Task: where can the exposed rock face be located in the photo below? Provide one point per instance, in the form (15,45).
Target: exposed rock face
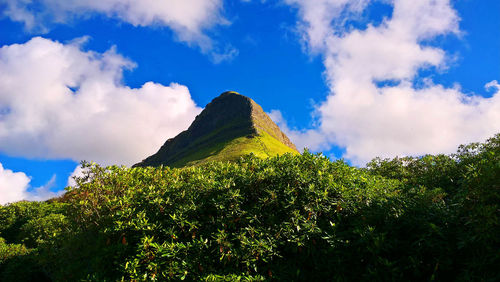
(227,117)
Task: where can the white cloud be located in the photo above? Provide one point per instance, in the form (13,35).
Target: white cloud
(492,86)
(78,172)
(370,120)
(58,102)
(14,186)
(189,19)
(43,193)
(310,139)
(318,16)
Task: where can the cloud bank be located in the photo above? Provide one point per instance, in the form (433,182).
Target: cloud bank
(188,19)
(14,186)
(378,105)
(59,102)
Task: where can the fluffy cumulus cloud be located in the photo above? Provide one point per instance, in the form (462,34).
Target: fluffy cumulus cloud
(189,19)
(15,186)
(319,18)
(376,107)
(78,172)
(57,101)
(310,139)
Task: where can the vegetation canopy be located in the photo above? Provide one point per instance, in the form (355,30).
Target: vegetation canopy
(290,217)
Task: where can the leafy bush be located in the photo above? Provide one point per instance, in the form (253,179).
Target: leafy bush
(8,251)
(26,222)
(471,177)
(17,263)
(291,217)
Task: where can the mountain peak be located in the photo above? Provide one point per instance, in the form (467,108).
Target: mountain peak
(231,92)
(231,125)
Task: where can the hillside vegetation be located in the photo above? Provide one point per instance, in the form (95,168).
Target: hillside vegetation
(290,218)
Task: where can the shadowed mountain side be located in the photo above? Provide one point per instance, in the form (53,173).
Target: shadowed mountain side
(230,126)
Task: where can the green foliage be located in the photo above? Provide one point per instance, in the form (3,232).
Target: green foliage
(17,263)
(471,179)
(256,217)
(26,228)
(290,217)
(29,222)
(8,251)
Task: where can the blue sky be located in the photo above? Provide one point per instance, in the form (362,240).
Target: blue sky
(110,81)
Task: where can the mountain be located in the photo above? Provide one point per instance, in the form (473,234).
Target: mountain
(230,126)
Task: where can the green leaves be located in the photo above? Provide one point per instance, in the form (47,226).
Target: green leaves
(291,217)
(245,217)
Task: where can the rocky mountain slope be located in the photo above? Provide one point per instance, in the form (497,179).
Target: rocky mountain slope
(230,126)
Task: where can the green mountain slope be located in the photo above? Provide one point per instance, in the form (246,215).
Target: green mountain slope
(230,126)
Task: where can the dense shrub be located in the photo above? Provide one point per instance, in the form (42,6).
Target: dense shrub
(29,222)
(276,217)
(471,179)
(8,251)
(26,228)
(284,218)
